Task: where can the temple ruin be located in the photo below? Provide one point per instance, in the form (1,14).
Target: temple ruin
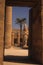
(35,26)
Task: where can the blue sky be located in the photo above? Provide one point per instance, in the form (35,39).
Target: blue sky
(20,12)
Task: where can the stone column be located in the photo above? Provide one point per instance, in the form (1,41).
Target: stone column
(8,26)
(18,38)
(12,39)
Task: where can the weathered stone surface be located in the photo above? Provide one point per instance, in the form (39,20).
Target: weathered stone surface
(36,46)
(42,27)
(29,3)
(8,26)
(15,37)
(2,12)
(37,29)
(12,39)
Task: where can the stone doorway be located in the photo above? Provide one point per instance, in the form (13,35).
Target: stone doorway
(35,27)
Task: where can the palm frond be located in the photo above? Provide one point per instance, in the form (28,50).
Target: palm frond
(20,21)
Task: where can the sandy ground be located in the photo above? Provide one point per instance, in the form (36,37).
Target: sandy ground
(16,56)
(16,51)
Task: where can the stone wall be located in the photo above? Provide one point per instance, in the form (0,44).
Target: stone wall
(2,12)
(37,30)
(37,40)
(36,33)
(42,26)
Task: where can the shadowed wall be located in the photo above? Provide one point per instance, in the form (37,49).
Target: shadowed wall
(42,26)
(2,13)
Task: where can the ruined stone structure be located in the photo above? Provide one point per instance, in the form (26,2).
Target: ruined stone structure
(15,37)
(12,39)
(25,34)
(36,27)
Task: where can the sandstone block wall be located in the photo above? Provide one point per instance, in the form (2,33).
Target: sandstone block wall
(42,26)
(36,33)
(2,12)
(37,40)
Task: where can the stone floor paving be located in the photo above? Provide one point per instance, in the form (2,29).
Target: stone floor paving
(16,56)
(9,63)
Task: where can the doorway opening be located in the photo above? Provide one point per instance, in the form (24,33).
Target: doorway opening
(19,49)
(20,21)
(30,31)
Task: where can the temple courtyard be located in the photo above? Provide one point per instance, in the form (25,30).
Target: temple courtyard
(17,56)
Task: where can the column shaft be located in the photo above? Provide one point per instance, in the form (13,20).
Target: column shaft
(8,28)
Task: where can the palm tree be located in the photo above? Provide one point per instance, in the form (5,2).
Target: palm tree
(20,22)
